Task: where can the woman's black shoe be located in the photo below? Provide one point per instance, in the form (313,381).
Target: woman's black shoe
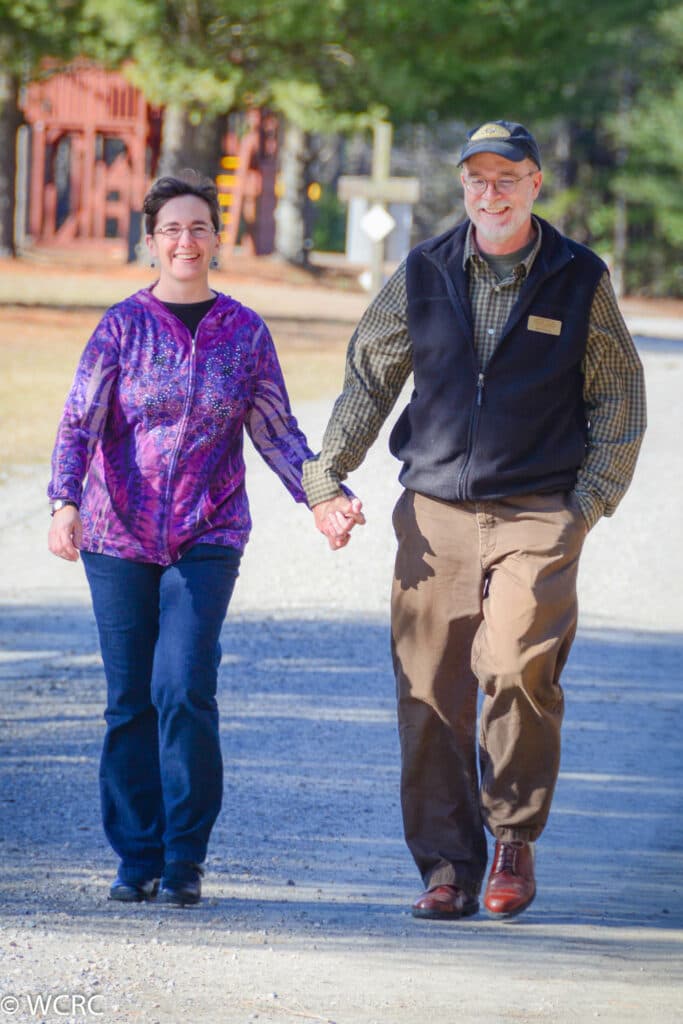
(181,885)
(134,892)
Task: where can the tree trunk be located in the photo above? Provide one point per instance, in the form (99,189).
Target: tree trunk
(620,207)
(291,213)
(10,119)
(171,157)
(566,164)
(204,144)
(185,145)
(620,245)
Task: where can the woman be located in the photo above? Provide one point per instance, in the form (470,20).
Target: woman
(154,421)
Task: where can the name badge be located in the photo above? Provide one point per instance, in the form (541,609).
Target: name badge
(545,325)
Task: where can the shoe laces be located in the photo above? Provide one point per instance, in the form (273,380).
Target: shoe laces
(507,856)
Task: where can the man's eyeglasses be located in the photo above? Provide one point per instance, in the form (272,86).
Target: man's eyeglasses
(174,231)
(503,186)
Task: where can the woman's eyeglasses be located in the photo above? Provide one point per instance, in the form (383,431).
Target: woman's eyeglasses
(174,231)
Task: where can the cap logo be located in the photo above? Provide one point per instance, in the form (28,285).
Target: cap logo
(491,131)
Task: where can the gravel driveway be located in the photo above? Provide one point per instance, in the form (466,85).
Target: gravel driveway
(308,886)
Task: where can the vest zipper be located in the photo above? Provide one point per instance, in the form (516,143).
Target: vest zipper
(474,423)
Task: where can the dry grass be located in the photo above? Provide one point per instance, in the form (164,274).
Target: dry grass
(39,350)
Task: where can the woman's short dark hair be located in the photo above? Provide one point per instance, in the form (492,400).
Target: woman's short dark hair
(186,183)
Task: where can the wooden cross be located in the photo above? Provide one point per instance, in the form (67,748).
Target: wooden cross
(380,188)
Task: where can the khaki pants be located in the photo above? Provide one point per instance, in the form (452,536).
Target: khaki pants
(483,594)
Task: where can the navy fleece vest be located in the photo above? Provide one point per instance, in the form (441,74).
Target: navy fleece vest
(520,428)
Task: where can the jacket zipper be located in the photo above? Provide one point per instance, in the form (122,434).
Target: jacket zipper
(176,448)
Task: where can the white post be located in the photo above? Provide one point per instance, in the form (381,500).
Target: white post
(379,189)
(381,164)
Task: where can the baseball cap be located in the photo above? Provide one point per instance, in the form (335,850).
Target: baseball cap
(506,138)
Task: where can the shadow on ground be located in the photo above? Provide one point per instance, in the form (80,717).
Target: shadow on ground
(309,841)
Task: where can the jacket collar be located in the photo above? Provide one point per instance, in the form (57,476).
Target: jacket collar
(223,307)
(446,252)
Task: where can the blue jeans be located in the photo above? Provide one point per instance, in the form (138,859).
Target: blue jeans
(161,772)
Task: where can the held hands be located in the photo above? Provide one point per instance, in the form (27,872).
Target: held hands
(64,538)
(337,517)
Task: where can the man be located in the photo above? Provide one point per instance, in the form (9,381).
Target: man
(523,428)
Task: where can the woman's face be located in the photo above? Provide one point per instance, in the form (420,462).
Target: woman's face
(184,257)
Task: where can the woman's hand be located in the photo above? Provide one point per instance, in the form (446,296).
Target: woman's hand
(64,538)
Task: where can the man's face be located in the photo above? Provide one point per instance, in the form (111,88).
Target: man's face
(501,216)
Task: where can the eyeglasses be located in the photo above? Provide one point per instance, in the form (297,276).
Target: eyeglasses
(503,186)
(174,231)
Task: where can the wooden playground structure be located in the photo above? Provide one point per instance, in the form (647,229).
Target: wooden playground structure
(94,149)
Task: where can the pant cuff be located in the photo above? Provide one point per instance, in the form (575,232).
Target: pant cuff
(511,835)
(133,872)
(448,874)
(196,856)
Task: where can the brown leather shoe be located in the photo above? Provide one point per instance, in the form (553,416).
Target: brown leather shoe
(511,886)
(445,903)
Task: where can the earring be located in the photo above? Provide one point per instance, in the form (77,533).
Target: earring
(152,263)
(214,263)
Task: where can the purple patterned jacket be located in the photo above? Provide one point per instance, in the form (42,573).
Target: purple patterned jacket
(154,420)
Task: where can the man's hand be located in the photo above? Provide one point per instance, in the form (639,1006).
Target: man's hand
(337,517)
(64,538)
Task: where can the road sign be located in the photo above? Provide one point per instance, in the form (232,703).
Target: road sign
(377,223)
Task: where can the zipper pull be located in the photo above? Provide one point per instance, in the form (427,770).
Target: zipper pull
(480,389)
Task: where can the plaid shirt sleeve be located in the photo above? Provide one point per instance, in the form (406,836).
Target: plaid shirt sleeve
(614,396)
(378,362)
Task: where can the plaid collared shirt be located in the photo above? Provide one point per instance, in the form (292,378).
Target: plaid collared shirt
(379,361)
